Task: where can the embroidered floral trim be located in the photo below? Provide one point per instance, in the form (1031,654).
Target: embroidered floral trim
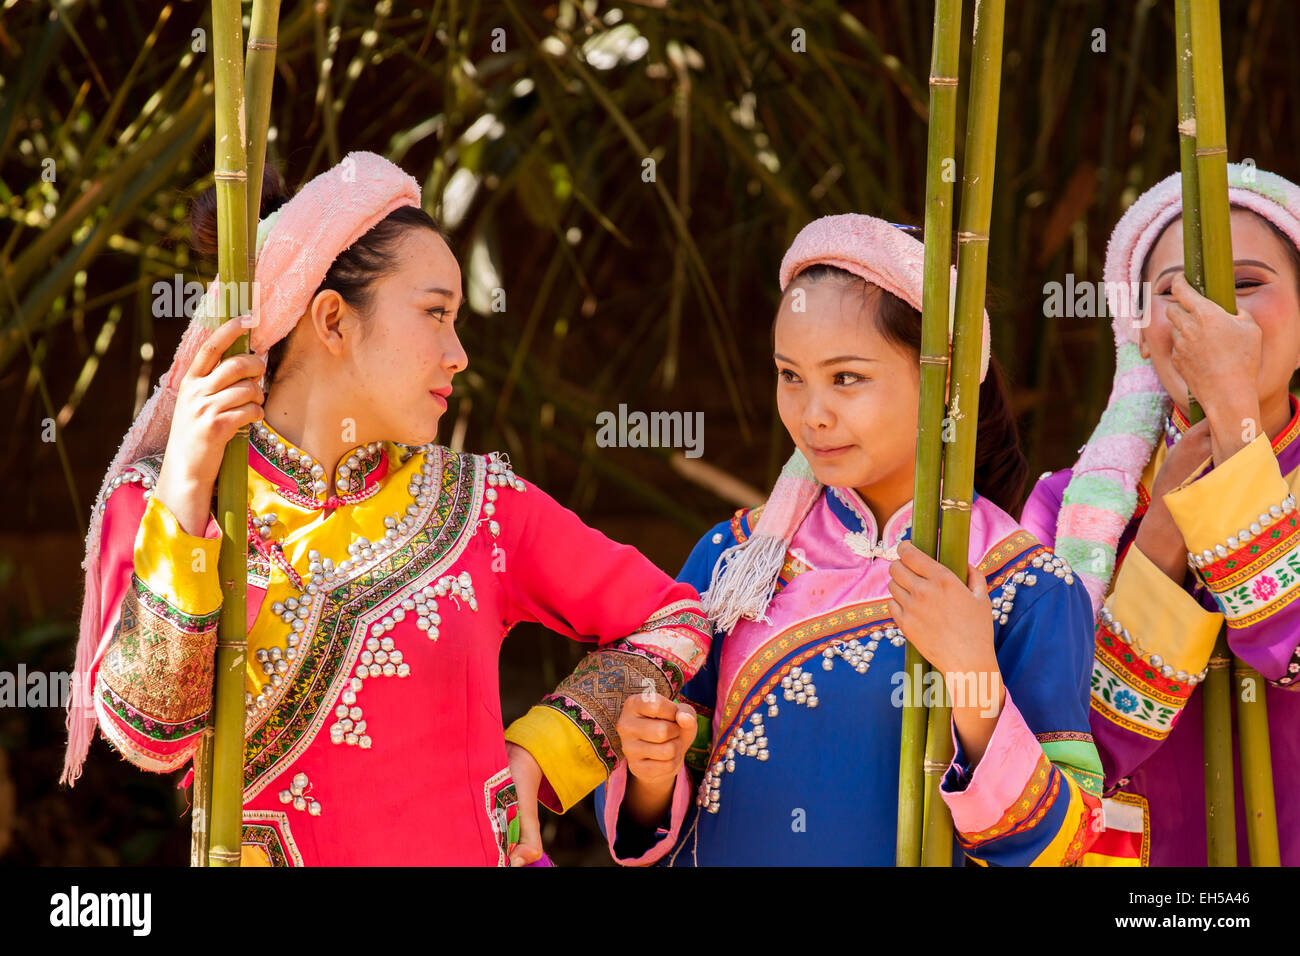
(1250,549)
(1175,683)
(744,521)
(181,621)
(269,830)
(152,727)
(1177,424)
(1292,672)
(356,477)
(1128,706)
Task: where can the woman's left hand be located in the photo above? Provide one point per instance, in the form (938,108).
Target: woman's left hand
(527,775)
(949,622)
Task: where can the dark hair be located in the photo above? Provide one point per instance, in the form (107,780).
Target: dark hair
(1000,466)
(351,275)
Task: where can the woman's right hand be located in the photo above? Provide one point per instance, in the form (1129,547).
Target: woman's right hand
(215,399)
(655,733)
(1158,536)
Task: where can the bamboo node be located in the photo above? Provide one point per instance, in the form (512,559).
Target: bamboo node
(943,80)
(1210,150)
(1219,663)
(258,43)
(230,175)
(223,855)
(952,504)
(934,360)
(935,766)
(972,237)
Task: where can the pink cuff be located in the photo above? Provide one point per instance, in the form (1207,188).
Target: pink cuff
(1008,764)
(617,787)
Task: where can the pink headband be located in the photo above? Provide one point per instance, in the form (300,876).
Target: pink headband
(307,234)
(873,250)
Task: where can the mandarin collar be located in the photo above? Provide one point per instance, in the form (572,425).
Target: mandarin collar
(1177,423)
(852,512)
(301,479)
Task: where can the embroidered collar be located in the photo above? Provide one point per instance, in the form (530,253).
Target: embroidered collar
(300,479)
(860,524)
(1176,425)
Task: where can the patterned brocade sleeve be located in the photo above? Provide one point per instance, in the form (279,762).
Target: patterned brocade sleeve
(1242,531)
(153,682)
(650,631)
(1034,798)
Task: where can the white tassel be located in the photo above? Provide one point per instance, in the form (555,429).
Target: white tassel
(743,582)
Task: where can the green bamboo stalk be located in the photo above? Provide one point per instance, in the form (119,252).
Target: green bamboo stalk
(259,77)
(945,60)
(1187,154)
(1216,707)
(1256,766)
(1216,727)
(963,407)
(1220,287)
(226,778)
(1212,154)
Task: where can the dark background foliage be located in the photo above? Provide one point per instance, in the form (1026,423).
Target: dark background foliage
(530,149)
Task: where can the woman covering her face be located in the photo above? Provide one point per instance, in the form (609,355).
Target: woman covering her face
(1178,529)
(384,570)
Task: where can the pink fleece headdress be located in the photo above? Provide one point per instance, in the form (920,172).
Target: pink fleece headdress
(1101,497)
(296,246)
(744,578)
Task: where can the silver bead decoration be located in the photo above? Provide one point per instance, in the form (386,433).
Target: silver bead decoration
(797,686)
(1109,621)
(1244,536)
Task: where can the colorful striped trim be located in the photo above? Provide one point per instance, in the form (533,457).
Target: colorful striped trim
(744,521)
(1284,438)
(1125,839)
(1255,556)
(1137,672)
(182,621)
(144,724)
(1037,797)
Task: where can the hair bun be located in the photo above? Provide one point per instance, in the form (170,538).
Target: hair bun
(203,211)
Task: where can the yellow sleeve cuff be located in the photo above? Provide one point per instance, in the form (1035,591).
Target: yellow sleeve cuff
(1161,615)
(179,567)
(563,752)
(1211,509)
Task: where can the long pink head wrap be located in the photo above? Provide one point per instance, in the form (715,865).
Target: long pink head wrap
(1101,497)
(744,578)
(296,246)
